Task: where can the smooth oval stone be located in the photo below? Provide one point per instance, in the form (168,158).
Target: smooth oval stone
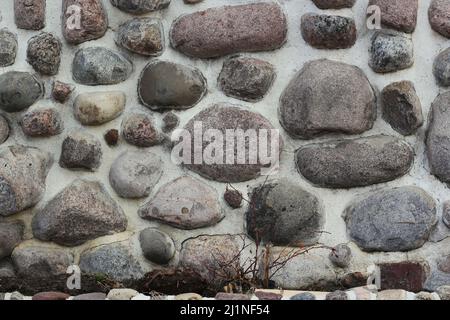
(327,97)
(19,90)
(97,108)
(156,245)
(44,53)
(225,30)
(42,123)
(141,6)
(8,47)
(100,66)
(398,219)
(438,16)
(334,4)
(441,68)
(355,163)
(29,14)
(165,85)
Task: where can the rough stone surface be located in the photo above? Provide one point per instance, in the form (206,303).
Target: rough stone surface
(52,296)
(134,174)
(112,137)
(233,198)
(246,78)
(11,234)
(6,269)
(439,17)
(144,36)
(4,129)
(122,294)
(171,121)
(231,296)
(341,255)
(140,7)
(443,292)
(19,90)
(61,91)
(398,219)
(390,51)
(262,295)
(81,150)
(284,214)
(334,4)
(328,32)
(44,53)
(303,296)
(327,97)
(409,276)
(166,85)
(156,246)
(23,171)
(97,108)
(441,68)
(400,15)
(139,129)
(225,30)
(29,14)
(93,20)
(401,107)
(81,212)
(446,214)
(337,295)
(95,66)
(8,47)
(42,123)
(184,203)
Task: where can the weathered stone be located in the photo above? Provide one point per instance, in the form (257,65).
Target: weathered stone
(231,296)
(171,121)
(303,296)
(29,14)
(112,260)
(337,295)
(443,292)
(353,280)
(61,91)
(44,53)
(42,123)
(446,214)
(112,137)
(390,51)
(341,255)
(334,4)
(51,295)
(327,97)
(398,219)
(400,15)
(8,47)
(81,212)
(23,171)
(246,78)
(401,107)
(225,30)
(41,262)
(97,108)
(166,85)
(91,296)
(392,295)
(184,203)
(144,36)
(156,246)
(262,295)
(134,174)
(11,234)
(140,7)
(19,90)
(138,129)
(121,294)
(355,163)
(233,198)
(91,17)
(282,213)
(100,66)
(427,296)
(4,129)
(225,117)
(328,32)
(81,150)
(438,15)
(444,264)
(6,270)
(441,68)
(409,276)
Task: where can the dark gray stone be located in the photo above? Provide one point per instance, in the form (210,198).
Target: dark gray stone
(438,15)
(139,129)
(11,234)
(327,97)
(81,150)
(398,219)
(171,121)
(81,212)
(355,163)
(8,47)
(334,4)
(341,255)
(441,68)
(140,7)
(446,214)
(284,214)
(156,246)
(246,78)
(44,53)
(19,90)
(6,270)
(303,296)
(4,129)
(100,66)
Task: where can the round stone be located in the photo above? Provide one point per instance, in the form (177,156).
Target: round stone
(138,129)
(96,108)
(19,90)
(233,198)
(156,246)
(44,53)
(171,121)
(341,255)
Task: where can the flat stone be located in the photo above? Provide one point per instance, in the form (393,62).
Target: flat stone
(61,91)
(97,108)
(399,15)
(401,107)
(327,97)
(337,295)
(282,213)
(80,212)
(166,85)
(398,219)
(303,296)
(223,118)
(81,150)
(42,123)
(246,78)
(29,14)
(341,255)
(188,296)
(51,295)
(23,171)
(91,16)
(91,296)
(233,198)
(441,68)
(443,292)
(11,234)
(438,15)
(8,47)
(140,7)
(323,31)
(44,53)
(139,129)
(121,294)
(334,4)
(407,275)
(95,66)
(156,246)
(220,31)
(144,36)
(392,295)
(192,1)
(134,174)
(171,121)
(262,295)
(19,90)
(355,163)
(184,203)
(390,51)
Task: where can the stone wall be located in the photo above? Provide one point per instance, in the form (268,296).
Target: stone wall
(86,172)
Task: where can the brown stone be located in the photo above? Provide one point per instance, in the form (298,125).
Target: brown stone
(61,91)
(42,123)
(399,14)
(354,279)
(138,129)
(52,295)
(112,137)
(262,295)
(439,17)
(233,198)
(29,14)
(409,276)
